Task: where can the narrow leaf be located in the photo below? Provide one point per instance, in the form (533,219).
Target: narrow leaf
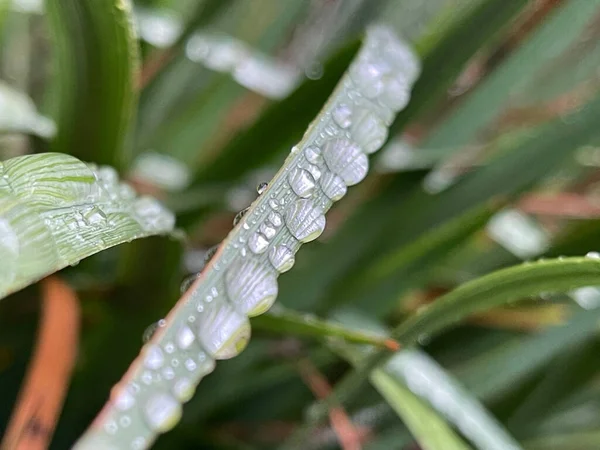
(288,322)
(97,63)
(56,210)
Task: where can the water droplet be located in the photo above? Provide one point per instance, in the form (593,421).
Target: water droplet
(152,216)
(153,358)
(396,93)
(333,186)
(593,255)
(168,373)
(239,216)
(258,243)
(268,231)
(302,182)
(147,378)
(111,427)
(313,155)
(261,188)
(184,389)
(124,400)
(282,258)
(223,332)
(368,78)
(169,347)
(162,412)
(342,115)
(138,443)
(187,282)
(369,131)
(305,221)
(185,337)
(314,70)
(149,332)
(125,421)
(275,219)
(345,159)
(190,364)
(251,286)
(273,203)
(94,216)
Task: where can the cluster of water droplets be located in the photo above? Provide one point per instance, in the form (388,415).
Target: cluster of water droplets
(211,320)
(56,210)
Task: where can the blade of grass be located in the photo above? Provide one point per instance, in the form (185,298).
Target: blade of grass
(288,322)
(495,289)
(563,29)
(56,210)
(97,60)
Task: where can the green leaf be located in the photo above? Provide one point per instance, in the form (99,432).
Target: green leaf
(97,66)
(422,375)
(429,429)
(584,440)
(402,268)
(19,114)
(554,36)
(501,369)
(495,289)
(287,322)
(447,50)
(56,210)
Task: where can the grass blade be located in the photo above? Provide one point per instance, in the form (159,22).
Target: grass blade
(285,321)
(56,210)
(97,60)
(241,279)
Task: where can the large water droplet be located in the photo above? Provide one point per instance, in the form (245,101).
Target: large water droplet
(94,216)
(313,155)
(258,243)
(162,412)
(305,221)
(184,389)
(251,286)
(345,159)
(369,131)
(342,115)
(593,255)
(223,331)
(268,231)
(302,182)
(275,219)
(396,93)
(333,186)
(282,258)
(187,282)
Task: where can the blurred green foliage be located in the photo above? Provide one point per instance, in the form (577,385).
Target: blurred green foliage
(508,105)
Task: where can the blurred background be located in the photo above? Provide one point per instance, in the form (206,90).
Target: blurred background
(494,161)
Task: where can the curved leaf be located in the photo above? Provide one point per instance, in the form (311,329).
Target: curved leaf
(210,322)
(97,65)
(56,210)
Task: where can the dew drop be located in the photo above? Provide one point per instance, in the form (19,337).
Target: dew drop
(282,258)
(154,358)
(592,255)
(190,364)
(273,203)
(251,286)
(185,337)
(333,186)
(342,115)
(261,188)
(313,155)
(305,221)
(345,159)
(258,243)
(369,131)
(268,231)
(302,182)
(275,219)
(187,282)
(184,389)
(162,412)
(124,400)
(396,93)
